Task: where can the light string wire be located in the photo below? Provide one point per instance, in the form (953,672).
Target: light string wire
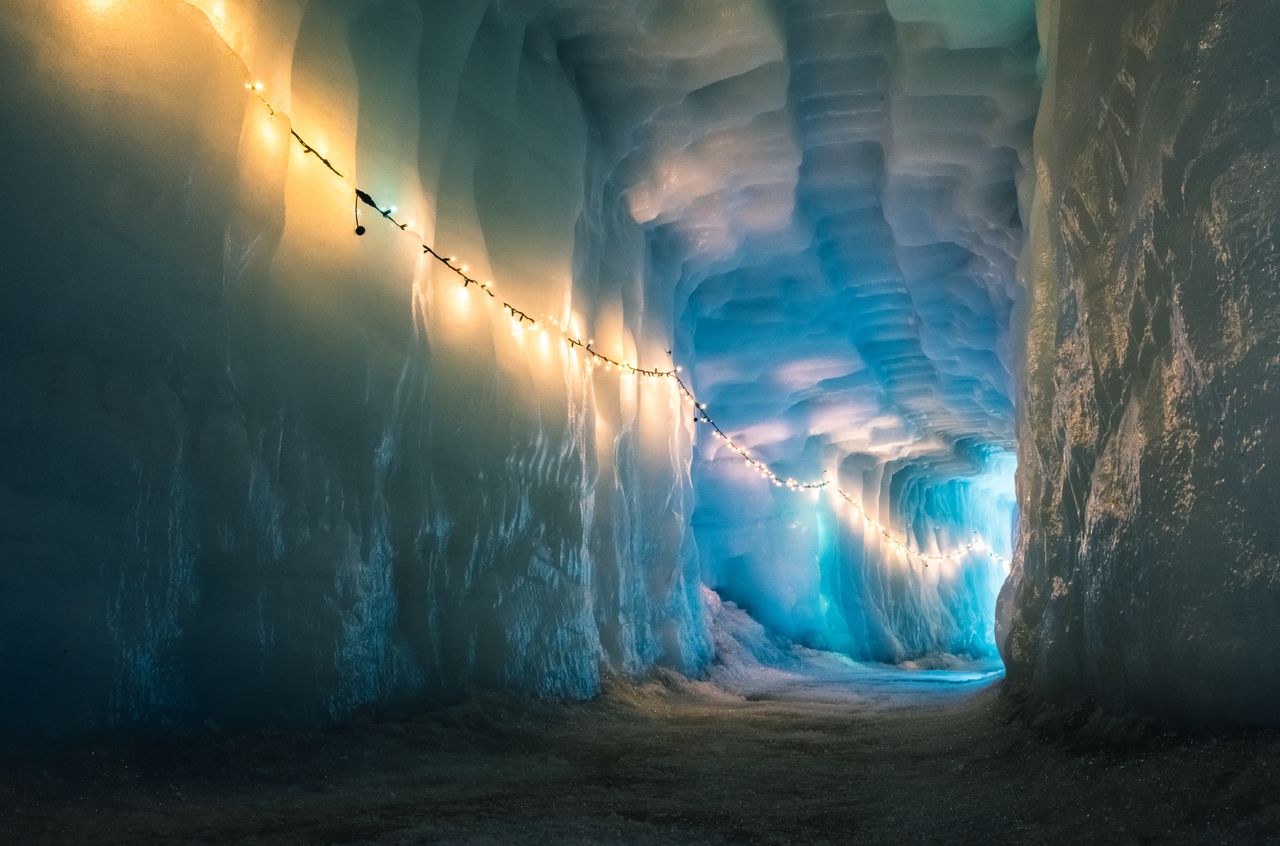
(575,343)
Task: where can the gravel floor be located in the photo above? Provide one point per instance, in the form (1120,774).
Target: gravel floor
(813,755)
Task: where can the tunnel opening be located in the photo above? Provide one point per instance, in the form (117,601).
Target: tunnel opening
(817,574)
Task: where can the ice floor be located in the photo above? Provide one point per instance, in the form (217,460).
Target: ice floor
(813,750)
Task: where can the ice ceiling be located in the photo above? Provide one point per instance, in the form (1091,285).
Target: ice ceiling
(834,184)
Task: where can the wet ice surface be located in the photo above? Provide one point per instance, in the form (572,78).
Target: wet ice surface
(817,751)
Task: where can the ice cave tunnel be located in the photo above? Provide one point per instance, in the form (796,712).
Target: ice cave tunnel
(407,352)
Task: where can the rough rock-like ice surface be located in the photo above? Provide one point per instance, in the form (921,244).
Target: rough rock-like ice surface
(1147,574)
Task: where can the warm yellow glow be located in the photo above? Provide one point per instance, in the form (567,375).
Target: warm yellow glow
(267,129)
(223,23)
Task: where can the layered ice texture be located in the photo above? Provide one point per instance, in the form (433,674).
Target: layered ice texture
(1148,575)
(255,467)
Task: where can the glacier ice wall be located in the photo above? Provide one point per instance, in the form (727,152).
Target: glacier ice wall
(255,467)
(1147,574)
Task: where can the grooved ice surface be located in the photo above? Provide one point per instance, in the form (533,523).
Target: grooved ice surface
(1148,571)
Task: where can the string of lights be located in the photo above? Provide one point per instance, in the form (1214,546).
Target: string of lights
(523,321)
